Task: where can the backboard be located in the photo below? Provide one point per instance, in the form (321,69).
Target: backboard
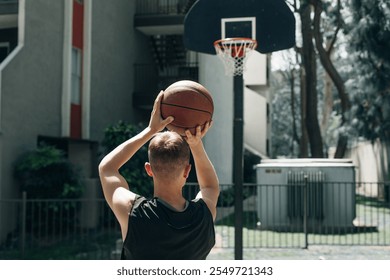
(270,22)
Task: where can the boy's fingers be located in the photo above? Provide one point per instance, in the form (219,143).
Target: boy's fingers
(158,98)
(168,120)
(206,127)
(198,130)
(188,133)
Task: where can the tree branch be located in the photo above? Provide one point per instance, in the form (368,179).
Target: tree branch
(338,27)
(293,5)
(326,61)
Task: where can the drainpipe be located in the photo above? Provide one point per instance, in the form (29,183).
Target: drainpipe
(86,86)
(66,68)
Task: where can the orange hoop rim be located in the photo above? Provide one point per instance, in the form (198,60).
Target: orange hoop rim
(234,52)
(244,40)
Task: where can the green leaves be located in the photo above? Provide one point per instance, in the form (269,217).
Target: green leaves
(369,37)
(39,158)
(46,173)
(133,171)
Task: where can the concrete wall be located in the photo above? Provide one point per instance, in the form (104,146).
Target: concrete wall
(31,84)
(372,162)
(32,81)
(30,92)
(116,46)
(31,87)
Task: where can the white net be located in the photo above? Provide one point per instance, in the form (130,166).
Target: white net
(234,52)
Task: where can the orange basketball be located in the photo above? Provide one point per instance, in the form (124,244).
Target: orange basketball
(189,103)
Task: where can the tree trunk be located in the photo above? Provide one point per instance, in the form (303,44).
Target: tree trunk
(309,62)
(334,75)
(303,143)
(328,103)
(293,113)
(342,145)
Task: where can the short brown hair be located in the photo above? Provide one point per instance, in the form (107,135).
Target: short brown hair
(168,153)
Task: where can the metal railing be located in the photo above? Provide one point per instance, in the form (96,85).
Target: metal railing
(59,228)
(148,77)
(352,214)
(163,7)
(8,7)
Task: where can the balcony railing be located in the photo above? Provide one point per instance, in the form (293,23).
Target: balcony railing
(163,7)
(8,7)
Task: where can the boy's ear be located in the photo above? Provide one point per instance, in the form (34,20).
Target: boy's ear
(148,169)
(187,171)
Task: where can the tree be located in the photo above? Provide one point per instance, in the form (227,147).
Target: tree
(325,58)
(285,119)
(45,173)
(312,18)
(133,170)
(362,84)
(310,81)
(368,29)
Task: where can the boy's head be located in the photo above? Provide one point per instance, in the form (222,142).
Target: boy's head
(169,154)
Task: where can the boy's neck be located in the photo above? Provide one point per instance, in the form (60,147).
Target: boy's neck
(173,198)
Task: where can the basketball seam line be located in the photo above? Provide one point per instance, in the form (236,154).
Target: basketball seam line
(198,91)
(181,106)
(205,95)
(183,126)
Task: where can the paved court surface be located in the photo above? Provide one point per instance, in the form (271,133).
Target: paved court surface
(312,253)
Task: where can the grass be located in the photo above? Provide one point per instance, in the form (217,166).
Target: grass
(372,201)
(249,220)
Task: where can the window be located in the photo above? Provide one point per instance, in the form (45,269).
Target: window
(4,50)
(76,76)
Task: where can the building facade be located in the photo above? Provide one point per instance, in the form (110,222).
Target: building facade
(71,68)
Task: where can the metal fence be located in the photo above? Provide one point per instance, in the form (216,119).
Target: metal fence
(274,216)
(296,216)
(59,229)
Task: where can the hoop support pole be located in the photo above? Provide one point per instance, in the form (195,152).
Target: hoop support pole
(238,165)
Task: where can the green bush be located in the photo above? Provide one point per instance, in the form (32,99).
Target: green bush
(46,173)
(133,171)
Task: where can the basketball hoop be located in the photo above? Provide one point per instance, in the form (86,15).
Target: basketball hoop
(233,52)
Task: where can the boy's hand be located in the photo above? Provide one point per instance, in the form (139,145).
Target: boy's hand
(194,140)
(157,123)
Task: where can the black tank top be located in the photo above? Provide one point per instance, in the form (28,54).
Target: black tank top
(158,232)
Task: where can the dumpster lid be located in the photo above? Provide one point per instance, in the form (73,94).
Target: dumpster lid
(306,162)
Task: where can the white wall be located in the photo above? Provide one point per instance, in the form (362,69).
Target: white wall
(219,140)
(256,69)
(255,122)
(256,125)
(371,161)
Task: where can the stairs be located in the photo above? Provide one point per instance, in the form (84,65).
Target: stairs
(168,50)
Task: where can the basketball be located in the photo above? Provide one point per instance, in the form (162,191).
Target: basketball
(189,103)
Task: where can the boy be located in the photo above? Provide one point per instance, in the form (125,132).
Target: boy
(166,226)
